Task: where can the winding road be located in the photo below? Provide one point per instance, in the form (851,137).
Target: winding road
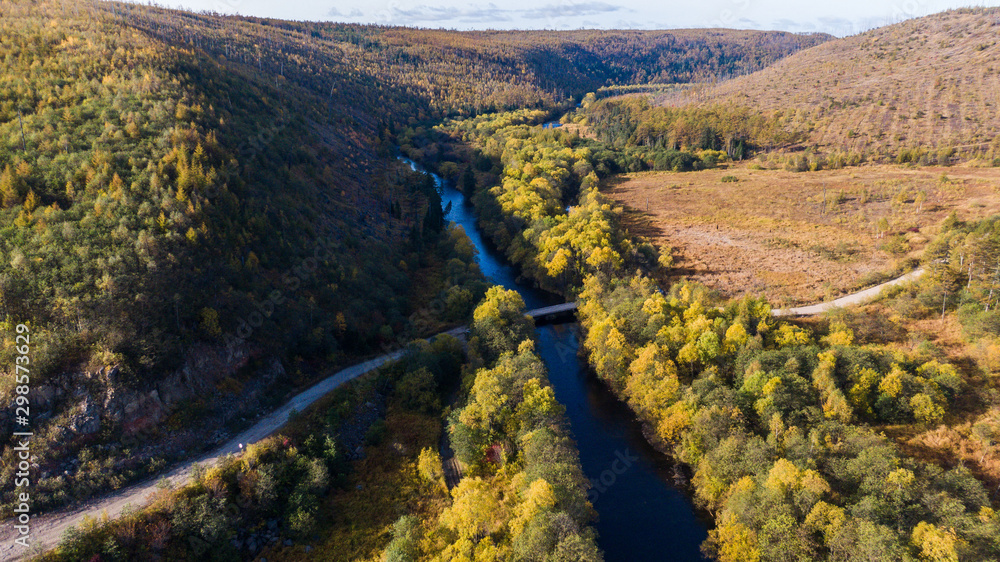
(46,530)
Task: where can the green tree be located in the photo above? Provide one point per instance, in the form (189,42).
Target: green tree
(499,324)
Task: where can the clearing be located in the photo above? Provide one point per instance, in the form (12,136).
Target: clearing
(799,237)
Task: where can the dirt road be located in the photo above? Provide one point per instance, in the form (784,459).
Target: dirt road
(856,298)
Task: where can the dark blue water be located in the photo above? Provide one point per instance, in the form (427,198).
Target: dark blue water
(492,262)
(642,515)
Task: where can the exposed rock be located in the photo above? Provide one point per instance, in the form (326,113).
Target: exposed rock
(172,390)
(142,412)
(81,403)
(87,421)
(42,396)
(203,367)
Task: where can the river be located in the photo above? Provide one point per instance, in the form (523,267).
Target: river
(642,514)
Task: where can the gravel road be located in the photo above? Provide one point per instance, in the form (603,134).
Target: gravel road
(855,298)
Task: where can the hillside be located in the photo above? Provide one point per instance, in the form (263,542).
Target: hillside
(913,91)
(174,226)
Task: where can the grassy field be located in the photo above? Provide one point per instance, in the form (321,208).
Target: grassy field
(799,237)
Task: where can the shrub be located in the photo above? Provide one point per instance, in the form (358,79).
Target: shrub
(429,465)
(977,322)
(376,433)
(895,245)
(417,391)
(798,164)
(302,522)
(405,534)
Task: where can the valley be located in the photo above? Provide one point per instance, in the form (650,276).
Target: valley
(282,280)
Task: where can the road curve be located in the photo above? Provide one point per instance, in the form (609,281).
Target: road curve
(854,298)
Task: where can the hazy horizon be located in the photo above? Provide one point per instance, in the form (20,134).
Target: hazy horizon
(840,19)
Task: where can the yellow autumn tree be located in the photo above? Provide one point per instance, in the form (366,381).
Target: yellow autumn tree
(934,544)
(474,509)
(652,384)
(537,498)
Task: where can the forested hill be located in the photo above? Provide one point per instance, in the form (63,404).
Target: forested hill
(188,195)
(925,89)
(466,72)
(519,68)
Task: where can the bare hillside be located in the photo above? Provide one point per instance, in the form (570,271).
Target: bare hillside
(921,88)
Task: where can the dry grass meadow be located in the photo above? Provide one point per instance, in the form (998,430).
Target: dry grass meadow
(771,232)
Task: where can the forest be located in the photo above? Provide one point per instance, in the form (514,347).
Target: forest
(178,187)
(634,122)
(522,497)
(147,217)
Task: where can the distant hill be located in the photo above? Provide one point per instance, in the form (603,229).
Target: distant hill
(910,91)
(561,63)
(474,71)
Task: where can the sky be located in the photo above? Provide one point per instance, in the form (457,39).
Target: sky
(837,17)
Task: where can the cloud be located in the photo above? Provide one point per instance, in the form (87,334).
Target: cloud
(570,9)
(794,26)
(354,13)
(472,14)
(840,27)
(491,13)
